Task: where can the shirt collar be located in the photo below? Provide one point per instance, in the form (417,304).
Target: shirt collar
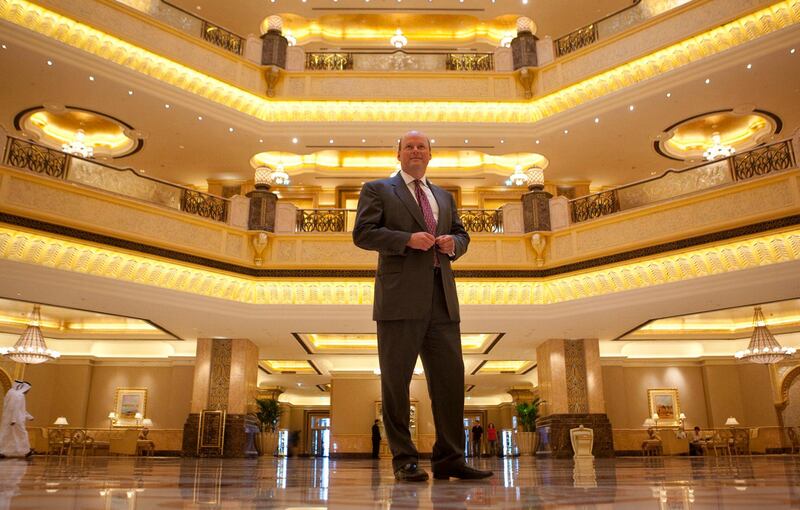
(408,178)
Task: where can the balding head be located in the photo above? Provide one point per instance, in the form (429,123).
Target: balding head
(414,153)
(413,133)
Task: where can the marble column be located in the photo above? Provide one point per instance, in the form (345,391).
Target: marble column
(225,379)
(571,385)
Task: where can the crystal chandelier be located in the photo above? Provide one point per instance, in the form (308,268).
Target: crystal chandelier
(717,150)
(763,347)
(505,42)
(77,147)
(518,178)
(398,40)
(266,177)
(30,348)
(532,177)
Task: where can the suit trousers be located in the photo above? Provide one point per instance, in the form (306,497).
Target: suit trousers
(437,341)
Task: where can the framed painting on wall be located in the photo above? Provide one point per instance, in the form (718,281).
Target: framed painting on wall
(664,403)
(127,403)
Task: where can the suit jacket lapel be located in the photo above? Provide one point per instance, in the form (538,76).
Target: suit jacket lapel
(443,224)
(403,193)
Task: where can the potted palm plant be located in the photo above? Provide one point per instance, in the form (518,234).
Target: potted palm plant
(269,414)
(528,438)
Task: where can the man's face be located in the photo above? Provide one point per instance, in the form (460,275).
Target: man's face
(414,154)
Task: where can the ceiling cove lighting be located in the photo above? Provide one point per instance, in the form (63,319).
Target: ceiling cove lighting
(763,348)
(31,347)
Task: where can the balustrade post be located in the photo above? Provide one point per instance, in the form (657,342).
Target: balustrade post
(262,208)
(274,47)
(536,210)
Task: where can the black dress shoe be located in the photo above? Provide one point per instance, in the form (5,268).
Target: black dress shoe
(410,473)
(463,472)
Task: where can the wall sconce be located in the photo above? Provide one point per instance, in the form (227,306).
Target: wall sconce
(112,419)
(61,421)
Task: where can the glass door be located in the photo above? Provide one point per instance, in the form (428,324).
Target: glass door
(320,435)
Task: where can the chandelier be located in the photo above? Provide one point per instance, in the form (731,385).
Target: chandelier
(398,40)
(717,150)
(31,348)
(532,177)
(77,147)
(763,347)
(505,42)
(518,178)
(266,177)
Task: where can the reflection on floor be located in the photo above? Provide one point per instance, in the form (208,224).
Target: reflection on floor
(641,483)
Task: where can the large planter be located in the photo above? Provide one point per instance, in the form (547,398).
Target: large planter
(527,442)
(267,443)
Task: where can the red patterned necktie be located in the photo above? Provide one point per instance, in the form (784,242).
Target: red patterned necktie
(427,213)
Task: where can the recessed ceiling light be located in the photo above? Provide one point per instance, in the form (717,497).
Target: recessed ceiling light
(330,141)
(181,147)
(4,47)
(49,62)
(597,120)
(631,108)
(708,80)
(792,51)
(433,140)
(294,140)
(749,66)
(502,141)
(537,142)
(199,117)
(199,8)
(260,140)
(143,171)
(230,130)
(166,106)
(363,140)
(130,92)
(669,94)
(91,78)
(566,131)
(466,140)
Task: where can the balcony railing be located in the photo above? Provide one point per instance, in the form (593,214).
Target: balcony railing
(39,159)
(190,23)
(747,165)
(342,220)
(612,24)
(399,61)
(323,220)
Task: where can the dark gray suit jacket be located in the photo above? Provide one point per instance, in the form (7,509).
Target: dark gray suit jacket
(387,216)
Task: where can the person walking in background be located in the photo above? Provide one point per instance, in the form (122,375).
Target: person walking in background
(376,439)
(477,435)
(491,437)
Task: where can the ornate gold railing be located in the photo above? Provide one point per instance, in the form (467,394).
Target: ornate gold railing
(33,157)
(594,206)
(470,62)
(218,36)
(482,220)
(576,40)
(36,158)
(322,220)
(329,61)
(674,183)
(762,161)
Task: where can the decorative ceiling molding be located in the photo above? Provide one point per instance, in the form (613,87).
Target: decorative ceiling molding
(95,42)
(712,259)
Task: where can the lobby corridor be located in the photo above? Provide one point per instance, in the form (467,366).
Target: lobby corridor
(640,483)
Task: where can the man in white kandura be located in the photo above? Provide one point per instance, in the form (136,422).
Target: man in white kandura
(13,436)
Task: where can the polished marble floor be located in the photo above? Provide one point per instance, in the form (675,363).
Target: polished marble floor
(302,483)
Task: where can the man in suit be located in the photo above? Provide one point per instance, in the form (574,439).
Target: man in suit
(415,228)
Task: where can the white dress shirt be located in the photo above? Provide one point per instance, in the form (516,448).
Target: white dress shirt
(409,180)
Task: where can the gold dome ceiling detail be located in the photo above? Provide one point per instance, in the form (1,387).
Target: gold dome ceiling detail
(688,139)
(55,125)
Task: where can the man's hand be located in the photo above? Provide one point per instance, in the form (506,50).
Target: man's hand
(421,241)
(445,244)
